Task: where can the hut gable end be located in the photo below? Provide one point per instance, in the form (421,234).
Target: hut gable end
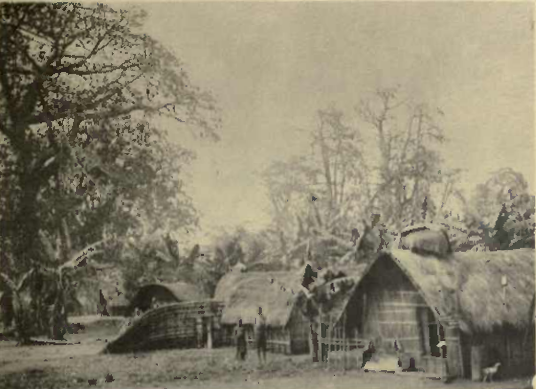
(468,285)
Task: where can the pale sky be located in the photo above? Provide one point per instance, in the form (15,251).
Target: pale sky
(272,65)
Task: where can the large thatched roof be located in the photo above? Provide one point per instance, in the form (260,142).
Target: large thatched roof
(481,295)
(475,279)
(243,294)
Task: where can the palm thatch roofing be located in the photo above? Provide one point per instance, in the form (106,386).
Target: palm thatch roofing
(172,292)
(332,296)
(470,283)
(276,293)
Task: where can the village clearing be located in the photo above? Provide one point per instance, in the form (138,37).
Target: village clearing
(71,366)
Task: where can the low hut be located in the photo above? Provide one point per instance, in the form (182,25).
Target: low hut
(418,301)
(175,325)
(278,295)
(165,293)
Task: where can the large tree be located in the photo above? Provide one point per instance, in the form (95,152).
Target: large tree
(369,179)
(315,197)
(409,163)
(501,211)
(81,157)
(504,186)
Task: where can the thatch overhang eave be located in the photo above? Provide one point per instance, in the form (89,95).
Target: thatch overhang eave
(487,304)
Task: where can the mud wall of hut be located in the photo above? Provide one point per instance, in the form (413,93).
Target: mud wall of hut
(292,339)
(393,310)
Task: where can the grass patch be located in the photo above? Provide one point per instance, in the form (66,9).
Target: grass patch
(34,379)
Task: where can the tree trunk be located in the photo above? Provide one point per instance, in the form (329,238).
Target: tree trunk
(22,329)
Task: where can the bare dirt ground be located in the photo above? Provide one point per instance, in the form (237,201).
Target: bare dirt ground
(73,366)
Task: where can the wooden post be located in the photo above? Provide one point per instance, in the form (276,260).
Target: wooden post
(344,339)
(209,333)
(311,344)
(508,351)
(199,330)
(460,351)
(330,337)
(288,342)
(476,363)
(356,335)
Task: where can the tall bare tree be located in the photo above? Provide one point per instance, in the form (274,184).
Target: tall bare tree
(355,181)
(409,165)
(315,196)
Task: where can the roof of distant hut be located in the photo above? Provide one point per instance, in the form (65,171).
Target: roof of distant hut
(243,293)
(176,292)
(475,278)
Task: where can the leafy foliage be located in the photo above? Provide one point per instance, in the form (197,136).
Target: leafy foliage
(78,92)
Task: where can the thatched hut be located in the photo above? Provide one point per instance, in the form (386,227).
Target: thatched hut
(478,303)
(278,295)
(175,325)
(165,293)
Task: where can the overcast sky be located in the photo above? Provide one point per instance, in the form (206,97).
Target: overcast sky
(272,65)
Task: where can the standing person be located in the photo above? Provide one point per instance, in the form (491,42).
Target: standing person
(241,343)
(261,337)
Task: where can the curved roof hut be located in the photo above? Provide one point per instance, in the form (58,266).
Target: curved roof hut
(165,293)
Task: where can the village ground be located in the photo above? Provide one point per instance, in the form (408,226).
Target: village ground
(72,366)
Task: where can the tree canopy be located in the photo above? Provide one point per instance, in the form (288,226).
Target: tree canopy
(81,156)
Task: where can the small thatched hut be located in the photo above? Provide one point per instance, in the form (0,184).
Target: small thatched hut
(175,325)
(478,303)
(165,293)
(278,295)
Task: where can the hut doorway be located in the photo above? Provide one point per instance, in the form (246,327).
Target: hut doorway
(430,332)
